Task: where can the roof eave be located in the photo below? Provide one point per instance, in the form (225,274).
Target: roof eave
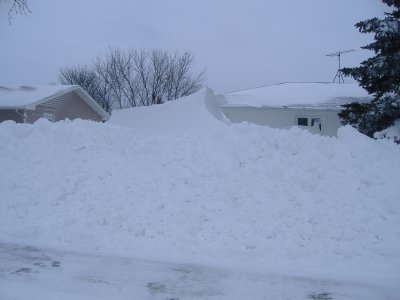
(34,104)
(13,107)
(84,96)
(281,107)
(92,103)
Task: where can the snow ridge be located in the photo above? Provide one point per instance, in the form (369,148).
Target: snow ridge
(238,192)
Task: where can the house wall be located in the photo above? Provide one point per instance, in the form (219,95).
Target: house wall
(11,114)
(285,117)
(66,106)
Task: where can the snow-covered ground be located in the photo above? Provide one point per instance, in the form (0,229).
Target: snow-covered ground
(35,273)
(176,183)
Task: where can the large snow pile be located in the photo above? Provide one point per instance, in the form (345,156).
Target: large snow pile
(241,192)
(197,112)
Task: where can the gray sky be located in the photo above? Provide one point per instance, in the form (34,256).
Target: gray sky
(240,43)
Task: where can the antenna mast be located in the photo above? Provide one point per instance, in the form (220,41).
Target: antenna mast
(339,73)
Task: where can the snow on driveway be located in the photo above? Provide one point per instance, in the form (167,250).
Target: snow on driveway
(28,272)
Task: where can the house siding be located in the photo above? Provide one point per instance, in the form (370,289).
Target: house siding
(284,117)
(11,114)
(66,106)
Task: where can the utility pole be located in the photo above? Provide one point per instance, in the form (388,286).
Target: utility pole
(339,73)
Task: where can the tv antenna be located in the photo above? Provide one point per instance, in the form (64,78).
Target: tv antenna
(339,73)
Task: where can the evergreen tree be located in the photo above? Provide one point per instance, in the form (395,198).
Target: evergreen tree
(379,75)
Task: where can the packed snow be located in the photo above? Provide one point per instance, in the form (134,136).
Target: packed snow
(325,95)
(176,182)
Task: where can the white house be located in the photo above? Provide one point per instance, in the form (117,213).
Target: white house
(26,104)
(313,106)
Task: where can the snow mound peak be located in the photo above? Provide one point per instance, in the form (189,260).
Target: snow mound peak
(197,112)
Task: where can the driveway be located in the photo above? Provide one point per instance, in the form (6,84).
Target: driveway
(31,273)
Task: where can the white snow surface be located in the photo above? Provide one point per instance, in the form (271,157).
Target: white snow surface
(299,94)
(19,96)
(202,190)
(195,113)
(390,133)
(35,273)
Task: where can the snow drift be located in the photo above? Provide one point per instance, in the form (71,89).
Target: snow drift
(201,189)
(197,112)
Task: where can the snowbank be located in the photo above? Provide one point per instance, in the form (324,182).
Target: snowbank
(240,192)
(197,112)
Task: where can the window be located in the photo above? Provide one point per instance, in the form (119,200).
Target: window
(316,122)
(302,121)
(50,117)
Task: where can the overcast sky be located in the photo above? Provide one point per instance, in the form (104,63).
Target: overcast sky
(240,43)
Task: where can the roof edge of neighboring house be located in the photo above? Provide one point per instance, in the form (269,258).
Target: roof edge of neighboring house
(12,107)
(75,88)
(92,103)
(251,98)
(287,83)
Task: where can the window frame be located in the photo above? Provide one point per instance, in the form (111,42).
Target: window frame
(304,118)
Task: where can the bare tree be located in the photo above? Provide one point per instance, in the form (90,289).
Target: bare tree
(17,7)
(140,67)
(165,77)
(87,78)
(118,71)
(137,77)
(158,70)
(184,82)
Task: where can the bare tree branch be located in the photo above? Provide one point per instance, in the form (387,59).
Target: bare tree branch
(17,7)
(87,78)
(137,77)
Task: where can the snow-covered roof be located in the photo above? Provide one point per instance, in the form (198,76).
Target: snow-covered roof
(20,96)
(28,96)
(298,95)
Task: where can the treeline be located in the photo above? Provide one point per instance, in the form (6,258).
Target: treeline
(136,77)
